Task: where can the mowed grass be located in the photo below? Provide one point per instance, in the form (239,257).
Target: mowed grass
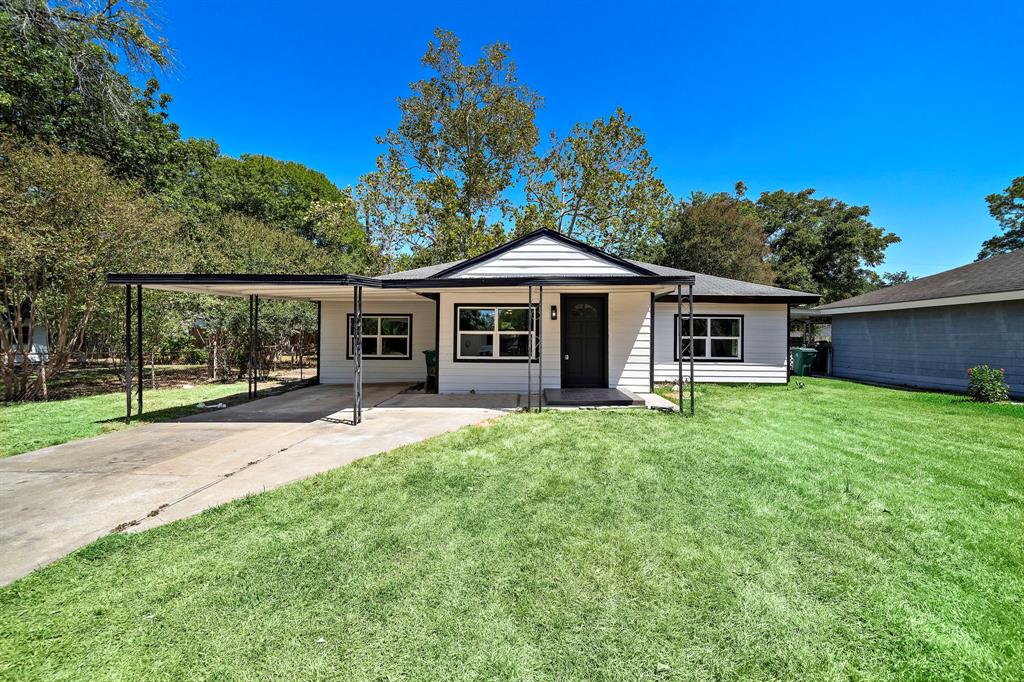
(831,532)
(29,426)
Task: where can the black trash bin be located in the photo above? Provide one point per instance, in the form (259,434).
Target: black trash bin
(431,357)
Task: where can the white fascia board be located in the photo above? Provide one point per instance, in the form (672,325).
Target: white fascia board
(928,303)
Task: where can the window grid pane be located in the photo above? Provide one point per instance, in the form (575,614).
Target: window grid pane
(377,344)
(714,337)
(506,322)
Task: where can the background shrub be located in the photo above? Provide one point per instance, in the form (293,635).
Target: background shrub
(986,384)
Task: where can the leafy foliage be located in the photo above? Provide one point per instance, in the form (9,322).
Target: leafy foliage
(987,385)
(822,245)
(64,223)
(463,134)
(60,84)
(1007,208)
(891,279)
(717,234)
(598,185)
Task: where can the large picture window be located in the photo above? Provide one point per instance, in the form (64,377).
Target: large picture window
(715,337)
(498,332)
(385,337)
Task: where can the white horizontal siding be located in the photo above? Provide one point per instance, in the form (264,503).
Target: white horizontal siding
(764,344)
(629,341)
(335,368)
(543,256)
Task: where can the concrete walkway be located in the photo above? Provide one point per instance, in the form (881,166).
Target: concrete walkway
(55,500)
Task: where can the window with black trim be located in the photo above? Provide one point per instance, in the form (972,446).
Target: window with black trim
(385,337)
(498,332)
(715,337)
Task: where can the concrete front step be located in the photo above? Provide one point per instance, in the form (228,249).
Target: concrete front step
(591,397)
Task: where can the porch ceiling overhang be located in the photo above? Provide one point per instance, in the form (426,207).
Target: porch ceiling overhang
(329,287)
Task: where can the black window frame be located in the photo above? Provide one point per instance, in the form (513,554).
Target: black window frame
(677,338)
(349,317)
(495,359)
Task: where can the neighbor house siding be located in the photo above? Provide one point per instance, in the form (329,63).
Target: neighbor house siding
(543,256)
(930,347)
(764,344)
(337,368)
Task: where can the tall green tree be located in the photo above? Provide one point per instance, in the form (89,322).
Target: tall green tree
(1007,207)
(64,223)
(293,199)
(598,185)
(717,234)
(464,134)
(822,245)
(64,80)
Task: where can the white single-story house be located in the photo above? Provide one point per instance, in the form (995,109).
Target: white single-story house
(599,321)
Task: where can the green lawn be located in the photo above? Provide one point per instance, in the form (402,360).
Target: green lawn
(831,532)
(29,426)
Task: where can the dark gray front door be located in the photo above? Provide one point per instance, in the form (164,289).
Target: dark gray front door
(584,341)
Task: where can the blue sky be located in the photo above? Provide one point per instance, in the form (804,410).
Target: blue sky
(913,109)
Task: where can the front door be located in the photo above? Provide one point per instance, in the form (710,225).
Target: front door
(584,341)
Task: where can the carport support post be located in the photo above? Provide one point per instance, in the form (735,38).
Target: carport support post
(128,352)
(357,354)
(256,345)
(249,353)
(319,324)
(138,342)
(679,335)
(540,351)
(529,350)
(690,296)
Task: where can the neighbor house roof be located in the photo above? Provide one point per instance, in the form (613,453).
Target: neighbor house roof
(1000,277)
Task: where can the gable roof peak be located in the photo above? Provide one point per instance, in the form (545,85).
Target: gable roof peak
(631,266)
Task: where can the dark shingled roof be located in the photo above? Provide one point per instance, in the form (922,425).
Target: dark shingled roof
(999,273)
(421,273)
(710,285)
(706,285)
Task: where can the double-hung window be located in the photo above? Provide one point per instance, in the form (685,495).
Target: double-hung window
(384,336)
(500,332)
(715,337)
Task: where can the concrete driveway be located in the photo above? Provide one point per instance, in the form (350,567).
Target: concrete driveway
(55,500)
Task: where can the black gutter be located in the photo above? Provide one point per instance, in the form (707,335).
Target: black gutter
(358,280)
(461,282)
(186,278)
(795,298)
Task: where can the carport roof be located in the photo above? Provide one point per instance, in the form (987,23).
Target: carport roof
(321,287)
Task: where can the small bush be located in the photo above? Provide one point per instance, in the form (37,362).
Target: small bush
(987,385)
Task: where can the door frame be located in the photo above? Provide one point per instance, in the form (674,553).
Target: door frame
(563,298)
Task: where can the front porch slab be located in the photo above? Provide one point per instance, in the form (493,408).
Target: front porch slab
(591,397)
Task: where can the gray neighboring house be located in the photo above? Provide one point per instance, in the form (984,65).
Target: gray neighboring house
(927,332)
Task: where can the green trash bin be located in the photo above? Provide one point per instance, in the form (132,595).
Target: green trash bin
(431,357)
(803,358)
